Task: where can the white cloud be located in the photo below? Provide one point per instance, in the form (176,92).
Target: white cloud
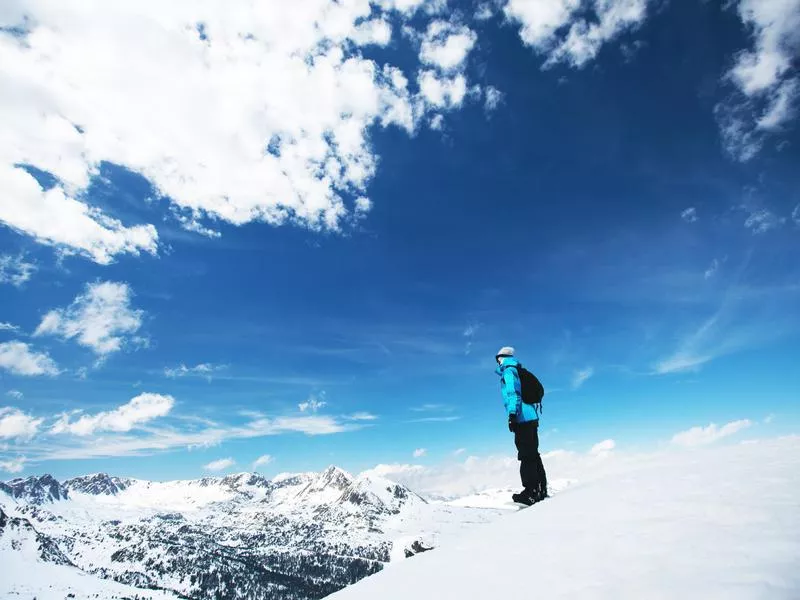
(101,319)
(361,416)
(138,411)
(420,452)
(454,478)
(262,461)
(18,358)
(443,419)
(14,465)
(689,215)
(442,91)
(437,122)
(206,370)
(313,404)
(16,394)
(493,98)
(796,214)
(570,31)
(15,424)
(602,448)
(56,218)
(151,439)
(769,418)
(446,46)
(712,269)
(580,377)
(219,465)
(15,269)
(762,220)
(8,327)
(682,361)
(459,451)
(484,11)
(700,436)
(768,87)
(79,90)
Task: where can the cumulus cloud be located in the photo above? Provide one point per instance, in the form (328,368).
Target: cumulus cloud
(701,436)
(767,85)
(100,319)
(219,465)
(138,411)
(15,269)
(602,448)
(570,31)
(580,377)
(264,114)
(262,461)
(420,452)
(18,358)
(14,465)
(15,424)
(446,45)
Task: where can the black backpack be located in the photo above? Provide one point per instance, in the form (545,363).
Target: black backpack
(532,390)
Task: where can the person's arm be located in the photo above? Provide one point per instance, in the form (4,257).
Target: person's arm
(510,394)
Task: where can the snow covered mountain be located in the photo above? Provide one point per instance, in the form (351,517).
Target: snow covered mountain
(712,523)
(297,536)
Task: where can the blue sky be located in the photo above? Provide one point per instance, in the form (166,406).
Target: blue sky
(231,253)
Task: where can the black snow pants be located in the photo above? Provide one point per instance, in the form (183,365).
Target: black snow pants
(531,469)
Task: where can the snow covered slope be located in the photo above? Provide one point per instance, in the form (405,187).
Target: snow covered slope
(721,523)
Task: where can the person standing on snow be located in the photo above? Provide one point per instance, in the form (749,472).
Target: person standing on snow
(523,422)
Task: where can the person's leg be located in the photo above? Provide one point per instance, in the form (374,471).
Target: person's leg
(540,476)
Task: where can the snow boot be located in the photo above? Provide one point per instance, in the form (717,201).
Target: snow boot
(522,498)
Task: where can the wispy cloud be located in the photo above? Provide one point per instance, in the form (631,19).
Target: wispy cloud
(582,376)
(205,370)
(314,403)
(701,436)
(15,269)
(433,408)
(16,394)
(689,215)
(219,464)
(420,452)
(101,319)
(712,269)
(8,327)
(361,416)
(441,419)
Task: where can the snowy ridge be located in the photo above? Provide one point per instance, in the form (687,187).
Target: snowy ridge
(297,536)
(721,523)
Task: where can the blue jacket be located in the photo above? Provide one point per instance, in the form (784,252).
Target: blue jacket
(512,397)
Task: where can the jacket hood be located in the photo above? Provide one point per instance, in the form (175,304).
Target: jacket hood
(509,361)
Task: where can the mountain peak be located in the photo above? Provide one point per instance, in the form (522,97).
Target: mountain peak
(36,489)
(97,484)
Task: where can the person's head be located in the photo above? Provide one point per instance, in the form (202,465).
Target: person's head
(504,352)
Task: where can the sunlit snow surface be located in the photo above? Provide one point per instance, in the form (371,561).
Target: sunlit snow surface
(712,523)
